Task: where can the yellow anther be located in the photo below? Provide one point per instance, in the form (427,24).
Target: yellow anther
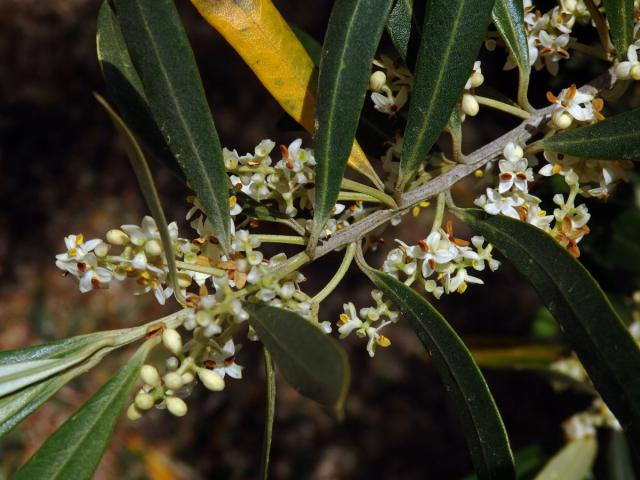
(79,239)
(556,168)
(344,318)
(424,204)
(542,213)
(72,252)
(479,173)
(383,341)
(232,201)
(462,288)
(415,211)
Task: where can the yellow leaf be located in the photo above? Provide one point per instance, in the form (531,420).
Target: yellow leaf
(264,40)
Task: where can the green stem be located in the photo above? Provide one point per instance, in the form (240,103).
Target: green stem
(504,107)
(287,239)
(373,192)
(356,197)
(270,380)
(192,267)
(588,50)
(339,275)
(437,220)
(523,91)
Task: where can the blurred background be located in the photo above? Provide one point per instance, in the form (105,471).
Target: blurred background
(63,171)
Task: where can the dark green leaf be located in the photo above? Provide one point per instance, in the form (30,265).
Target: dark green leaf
(508,17)
(353,34)
(162,56)
(452,35)
(311,361)
(624,249)
(616,138)
(404,26)
(620,17)
(149,192)
(573,462)
(75,449)
(484,431)
(619,465)
(125,87)
(269,414)
(528,460)
(589,323)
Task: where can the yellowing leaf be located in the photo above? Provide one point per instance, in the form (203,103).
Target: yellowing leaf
(264,40)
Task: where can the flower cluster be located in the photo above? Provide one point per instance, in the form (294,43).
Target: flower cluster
(390,86)
(441,262)
(368,322)
(575,107)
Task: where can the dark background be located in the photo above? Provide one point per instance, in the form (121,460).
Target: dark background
(62,171)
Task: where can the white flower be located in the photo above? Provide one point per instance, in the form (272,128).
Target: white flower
(90,275)
(77,248)
(573,104)
(629,69)
(494,203)
(224,361)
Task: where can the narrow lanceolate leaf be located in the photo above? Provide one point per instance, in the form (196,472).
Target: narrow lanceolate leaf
(508,17)
(620,17)
(148,187)
(590,324)
(264,40)
(125,87)
(573,462)
(162,56)
(615,138)
(404,26)
(483,427)
(452,35)
(353,34)
(269,413)
(75,449)
(311,361)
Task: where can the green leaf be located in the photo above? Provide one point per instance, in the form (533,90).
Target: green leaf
(508,17)
(528,460)
(616,138)
(589,323)
(311,361)
(619,464)
(483,427)
(269,414)
(75,449)
(573,462)
(353,34)
(148,187)
(162,56)
(404,27)
(624,249)
(125,87)
(452,35)
(513,354)
(620,17)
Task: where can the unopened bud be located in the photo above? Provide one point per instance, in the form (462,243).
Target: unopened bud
(149,375)
(184,280)
(187,377)
(173,381)
(377,81)
(211,380)
(172,340)
(561,119)
(477,79)
(101,250)
(470,105)
(153,248)
(176,406)
(133,413)
(117,237)
(143,401)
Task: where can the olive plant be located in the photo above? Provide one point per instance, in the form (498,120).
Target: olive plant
(335,197)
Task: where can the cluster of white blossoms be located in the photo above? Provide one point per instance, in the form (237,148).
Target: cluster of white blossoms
(368,322)
(441,262)
(573,107)
(390,86)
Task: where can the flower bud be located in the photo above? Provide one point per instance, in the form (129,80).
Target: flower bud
(172,363)
(184,280)
(117,237)
(477,79)
(211,380)
(561,119)
(149,375)
(101,249)
(139,262)
(173,381)
(176,406)
(143,401)
(470,105)
(187,378)
(172,340)
(153,248)
(377,81)
(133,413)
